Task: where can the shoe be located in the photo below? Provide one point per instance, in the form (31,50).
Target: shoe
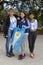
(12,54)
(32,55)
(8,55)
(24,54)
(21,57)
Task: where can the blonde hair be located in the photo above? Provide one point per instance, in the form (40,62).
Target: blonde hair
(11,9)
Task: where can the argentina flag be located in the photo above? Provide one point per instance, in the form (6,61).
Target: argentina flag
(16,39)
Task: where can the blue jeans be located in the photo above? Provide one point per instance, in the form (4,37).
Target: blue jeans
(8,41)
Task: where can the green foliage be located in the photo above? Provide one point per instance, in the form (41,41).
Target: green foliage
(38,14)
(3,14)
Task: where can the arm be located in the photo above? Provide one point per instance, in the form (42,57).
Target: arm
(5,26)
(20,26)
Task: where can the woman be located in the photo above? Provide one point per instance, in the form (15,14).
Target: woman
(32,33)
(24,24)
(9,26)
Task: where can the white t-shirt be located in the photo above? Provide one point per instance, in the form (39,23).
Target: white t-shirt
(13,23)
(33,25)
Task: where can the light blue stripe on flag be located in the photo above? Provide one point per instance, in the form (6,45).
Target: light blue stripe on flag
(17,44)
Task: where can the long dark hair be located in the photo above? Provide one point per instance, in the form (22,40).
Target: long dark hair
(24,13)
(34,13)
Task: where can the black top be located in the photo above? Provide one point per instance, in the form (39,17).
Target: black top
(7,24)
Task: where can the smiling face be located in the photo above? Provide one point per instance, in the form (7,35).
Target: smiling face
(31,16)
(22,15)
(11,12)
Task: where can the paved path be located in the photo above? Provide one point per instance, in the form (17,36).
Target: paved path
(38,60)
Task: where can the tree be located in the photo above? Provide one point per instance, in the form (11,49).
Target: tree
(25,5)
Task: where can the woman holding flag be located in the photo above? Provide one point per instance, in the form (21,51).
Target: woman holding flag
(24,24)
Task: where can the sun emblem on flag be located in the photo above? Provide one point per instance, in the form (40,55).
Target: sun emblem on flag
(17,34)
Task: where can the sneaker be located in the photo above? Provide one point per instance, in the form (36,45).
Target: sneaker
(12,54)
(32,55)
(21,57)
(24,54)
(8,55)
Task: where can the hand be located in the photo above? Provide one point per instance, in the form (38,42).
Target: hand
(24,26)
